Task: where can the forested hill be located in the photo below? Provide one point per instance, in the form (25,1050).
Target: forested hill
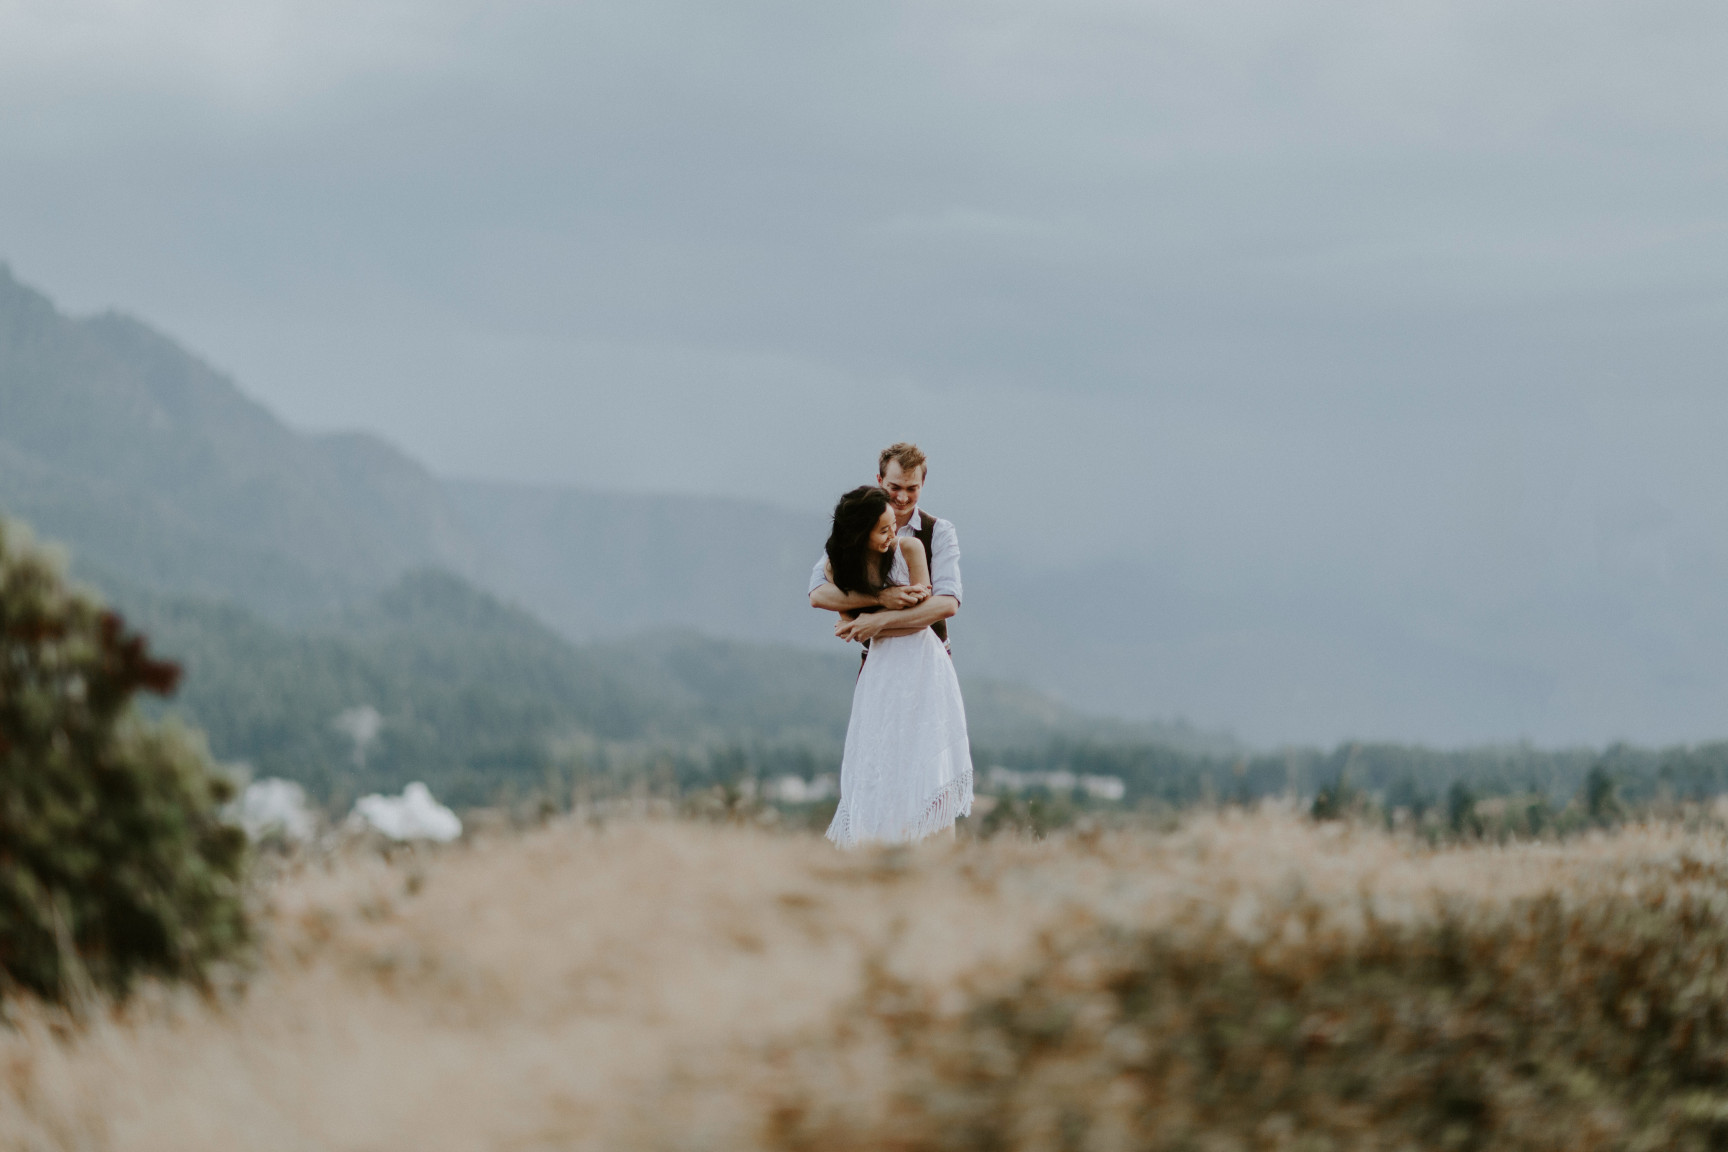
(471,695)
(478,698)
(484,702)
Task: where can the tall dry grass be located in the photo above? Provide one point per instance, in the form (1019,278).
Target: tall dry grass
(1247,981)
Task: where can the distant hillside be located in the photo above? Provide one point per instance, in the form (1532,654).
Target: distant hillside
(152,465)
(160,474)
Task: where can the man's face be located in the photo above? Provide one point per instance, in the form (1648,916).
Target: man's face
(903,488)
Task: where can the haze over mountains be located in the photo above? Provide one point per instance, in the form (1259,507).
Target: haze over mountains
(161,474)
(183,497)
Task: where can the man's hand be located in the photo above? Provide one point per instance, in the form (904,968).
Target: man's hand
(904,622)
(899,596)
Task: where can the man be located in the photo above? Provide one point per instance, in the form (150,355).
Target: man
(901,470)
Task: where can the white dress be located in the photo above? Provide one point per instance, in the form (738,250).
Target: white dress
(907,771)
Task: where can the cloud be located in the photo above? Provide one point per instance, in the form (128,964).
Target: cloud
(254,55)
(1087,195)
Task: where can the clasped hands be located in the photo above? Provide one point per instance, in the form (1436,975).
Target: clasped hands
(867,625)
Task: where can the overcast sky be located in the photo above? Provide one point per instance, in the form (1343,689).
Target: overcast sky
(1431,297)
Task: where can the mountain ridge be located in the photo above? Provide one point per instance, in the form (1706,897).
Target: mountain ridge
(143,458)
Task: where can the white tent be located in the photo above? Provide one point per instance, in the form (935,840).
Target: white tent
(414,815)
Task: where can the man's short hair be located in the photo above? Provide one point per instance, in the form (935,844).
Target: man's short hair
(907,455)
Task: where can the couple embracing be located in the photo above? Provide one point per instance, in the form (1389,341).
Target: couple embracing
(892,572)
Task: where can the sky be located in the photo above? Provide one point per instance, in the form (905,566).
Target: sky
(1421,305)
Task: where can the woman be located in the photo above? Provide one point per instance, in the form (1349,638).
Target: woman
(907,771)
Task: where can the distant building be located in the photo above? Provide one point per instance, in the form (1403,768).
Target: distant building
(797,790)
(1110,788)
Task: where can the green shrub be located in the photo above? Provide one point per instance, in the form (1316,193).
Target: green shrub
(1461,814)
(1035,816)
(1338,799)
(114,862)
(1601,795)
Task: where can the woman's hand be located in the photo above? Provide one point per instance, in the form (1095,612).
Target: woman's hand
(863,627)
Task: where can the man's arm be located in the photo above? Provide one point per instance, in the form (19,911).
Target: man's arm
(831,599)
(945,561)
(904,622)
(824,595)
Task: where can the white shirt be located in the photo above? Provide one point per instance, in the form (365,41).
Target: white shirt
(944,557)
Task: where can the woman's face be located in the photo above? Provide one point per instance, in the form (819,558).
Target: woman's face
(882,536)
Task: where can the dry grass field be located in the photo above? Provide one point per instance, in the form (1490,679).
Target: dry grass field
(1249,980)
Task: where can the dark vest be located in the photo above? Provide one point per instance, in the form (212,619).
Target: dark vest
(926,536)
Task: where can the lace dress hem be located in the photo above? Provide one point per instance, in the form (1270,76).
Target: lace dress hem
(952,801)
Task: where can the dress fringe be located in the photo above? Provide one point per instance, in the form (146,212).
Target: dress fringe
(952,801)
(947,806)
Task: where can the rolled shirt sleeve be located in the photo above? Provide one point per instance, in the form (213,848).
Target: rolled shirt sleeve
(818,574)
(945,561)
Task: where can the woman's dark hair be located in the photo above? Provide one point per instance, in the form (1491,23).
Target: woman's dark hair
(849,552)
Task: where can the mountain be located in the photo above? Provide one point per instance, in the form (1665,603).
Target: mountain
(153,466)
(492,627)
(165,480)
(161,475)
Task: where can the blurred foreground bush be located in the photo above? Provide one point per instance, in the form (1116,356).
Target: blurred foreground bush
(114,862)
(1595,1019)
